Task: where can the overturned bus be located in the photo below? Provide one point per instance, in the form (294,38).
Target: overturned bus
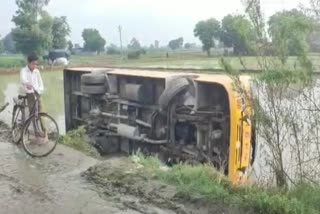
(181,117)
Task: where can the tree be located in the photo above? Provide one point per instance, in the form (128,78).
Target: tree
(285,102)
(289,31)
(1,45)
(176,43)
(60,30)
(207,31)
(33,32)
(134,44)
(93,41)
(236,32)
(8,44)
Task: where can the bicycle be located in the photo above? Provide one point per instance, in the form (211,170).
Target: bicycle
(39,132)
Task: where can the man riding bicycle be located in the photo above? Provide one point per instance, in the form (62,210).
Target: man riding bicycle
(32,85)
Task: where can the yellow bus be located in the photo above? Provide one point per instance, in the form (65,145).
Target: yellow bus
(180,116)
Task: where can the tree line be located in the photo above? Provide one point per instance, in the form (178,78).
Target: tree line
(237,32)
(37,31)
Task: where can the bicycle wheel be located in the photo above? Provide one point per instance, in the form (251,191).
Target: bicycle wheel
(40,135)
(18,118)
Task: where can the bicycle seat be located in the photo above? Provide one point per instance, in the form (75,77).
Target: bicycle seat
(21,97)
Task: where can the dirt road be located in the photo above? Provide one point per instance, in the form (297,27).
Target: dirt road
(50,185)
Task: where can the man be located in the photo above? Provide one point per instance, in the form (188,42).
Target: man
(32,84)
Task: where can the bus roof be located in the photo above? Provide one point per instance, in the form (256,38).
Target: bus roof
(220,78)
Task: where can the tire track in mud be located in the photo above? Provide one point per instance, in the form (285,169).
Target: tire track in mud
(131,195)
(18,187)
(120,179)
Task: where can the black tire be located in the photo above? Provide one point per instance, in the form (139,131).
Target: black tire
(93,79)
(26,131)
(180,85)
(16,128)
(93,89)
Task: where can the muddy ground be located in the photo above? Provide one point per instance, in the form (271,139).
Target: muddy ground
(51,185)
(70,182)
(124,180)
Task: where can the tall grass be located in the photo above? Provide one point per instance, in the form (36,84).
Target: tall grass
(215,188)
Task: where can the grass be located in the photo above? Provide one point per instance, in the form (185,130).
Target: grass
(77,139)
(158,59)
(154,59)
(215,188)
(11,61)
(177,59)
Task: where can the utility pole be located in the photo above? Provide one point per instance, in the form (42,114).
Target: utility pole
(120,34)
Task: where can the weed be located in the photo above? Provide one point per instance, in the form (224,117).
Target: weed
(77,139)
(214,187)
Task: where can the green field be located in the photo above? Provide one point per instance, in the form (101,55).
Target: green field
(155,59)
(11,61)
(196,60)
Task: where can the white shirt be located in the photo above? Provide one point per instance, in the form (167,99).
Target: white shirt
(33,78)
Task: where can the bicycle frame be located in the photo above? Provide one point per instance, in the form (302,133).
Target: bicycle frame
(33,113)
(35,109)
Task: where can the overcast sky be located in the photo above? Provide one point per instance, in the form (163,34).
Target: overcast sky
(147,20)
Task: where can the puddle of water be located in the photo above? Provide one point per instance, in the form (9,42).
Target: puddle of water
(53,98)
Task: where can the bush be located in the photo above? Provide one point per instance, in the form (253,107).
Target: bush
(77,139)
(143,51)
(308,194)
(134,54)
(111,50)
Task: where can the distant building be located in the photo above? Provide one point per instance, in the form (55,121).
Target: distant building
(77,49)
(77,46)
